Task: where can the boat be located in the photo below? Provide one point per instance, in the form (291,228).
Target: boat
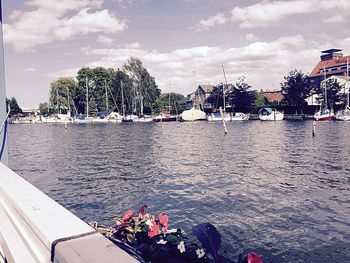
(240,116)
(193,115)
(344,113)
(270,114)
(216,116)
(143,118)
(165,117)
(325,113)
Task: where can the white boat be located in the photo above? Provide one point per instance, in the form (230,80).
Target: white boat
(270,114)
(240,116)
(193,115)
(216,116)
(143,118)
(344,113)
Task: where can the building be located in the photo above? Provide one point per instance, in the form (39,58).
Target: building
(332,63)
(273,96)
(197,98)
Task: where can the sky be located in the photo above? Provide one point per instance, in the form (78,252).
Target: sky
(182,43)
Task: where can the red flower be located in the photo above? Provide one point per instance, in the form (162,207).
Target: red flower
(254,258)
(153,229)
(128,215)
(163,220)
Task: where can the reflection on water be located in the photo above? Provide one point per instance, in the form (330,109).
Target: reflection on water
(269,187)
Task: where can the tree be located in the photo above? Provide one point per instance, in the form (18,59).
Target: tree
(61,92)
(260,100)
(14,107)
(169,99)
(241,97)
(144,88)
(295,88)
(334,94)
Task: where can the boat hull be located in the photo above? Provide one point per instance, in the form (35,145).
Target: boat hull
(164,119)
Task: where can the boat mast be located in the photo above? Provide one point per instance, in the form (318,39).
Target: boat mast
(87,96)
(223,87)
(123,106)
(325,85)
(3,114)
(106,95)
(347,82)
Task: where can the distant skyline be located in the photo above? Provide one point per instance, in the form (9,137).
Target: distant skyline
(182,43)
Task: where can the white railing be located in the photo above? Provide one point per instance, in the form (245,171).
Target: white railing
(35,228)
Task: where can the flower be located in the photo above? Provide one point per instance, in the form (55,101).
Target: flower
(153,229)
(149,223)
(254,258)
(200,252)
(163,220)
(128,215)
(181,247)
(162,242)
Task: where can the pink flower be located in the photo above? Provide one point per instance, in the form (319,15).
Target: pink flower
(163,220)
(254,258)
(153,229)
(128,215)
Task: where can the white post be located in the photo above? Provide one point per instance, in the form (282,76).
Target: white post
(223,120)
(3,113)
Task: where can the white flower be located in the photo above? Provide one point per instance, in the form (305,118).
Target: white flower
(149,222)
(161,242)
(181,247)
(200,252)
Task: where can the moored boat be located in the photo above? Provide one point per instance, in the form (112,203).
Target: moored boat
(270,114)
(240,116)
(216,116)
(193,115)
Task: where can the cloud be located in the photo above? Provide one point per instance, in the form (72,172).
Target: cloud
(250,37)
(218,19)
(52,20)
(263,63)
(334,19)
(265,13)
(104,40)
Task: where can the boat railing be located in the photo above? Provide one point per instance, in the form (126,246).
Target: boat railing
(35,228)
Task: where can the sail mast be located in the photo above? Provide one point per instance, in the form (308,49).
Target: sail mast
(123,107)
(87,96)
(3,115)
(223,88)
(106,95)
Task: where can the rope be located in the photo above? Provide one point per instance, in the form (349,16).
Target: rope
(4,129)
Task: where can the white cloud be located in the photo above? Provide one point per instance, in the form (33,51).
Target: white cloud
(105,40)
(53,20)
(71,72)
(265,13)
(133,45)
(250,37)
(334,19)
(218,19)
(263,63)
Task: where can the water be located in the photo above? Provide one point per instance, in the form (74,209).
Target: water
(267,187)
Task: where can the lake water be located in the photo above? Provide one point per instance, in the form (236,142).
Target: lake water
(268,187)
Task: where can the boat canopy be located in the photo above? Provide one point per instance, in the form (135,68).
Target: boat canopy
(265,111)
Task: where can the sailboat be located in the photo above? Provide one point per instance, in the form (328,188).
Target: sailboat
(344,113)
(325,113)
(216,115)
(165,116)
(79,119)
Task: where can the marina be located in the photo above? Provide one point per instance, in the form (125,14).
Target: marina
(282,192)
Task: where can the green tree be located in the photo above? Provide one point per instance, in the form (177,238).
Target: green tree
(14,107)
(241,97)
(260,100)
(61,92)
(295,88)
(169,99)
(144,89)
(334,92)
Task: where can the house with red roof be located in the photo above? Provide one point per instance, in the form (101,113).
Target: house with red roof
(333,63)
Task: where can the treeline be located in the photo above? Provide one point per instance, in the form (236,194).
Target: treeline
(128,90)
